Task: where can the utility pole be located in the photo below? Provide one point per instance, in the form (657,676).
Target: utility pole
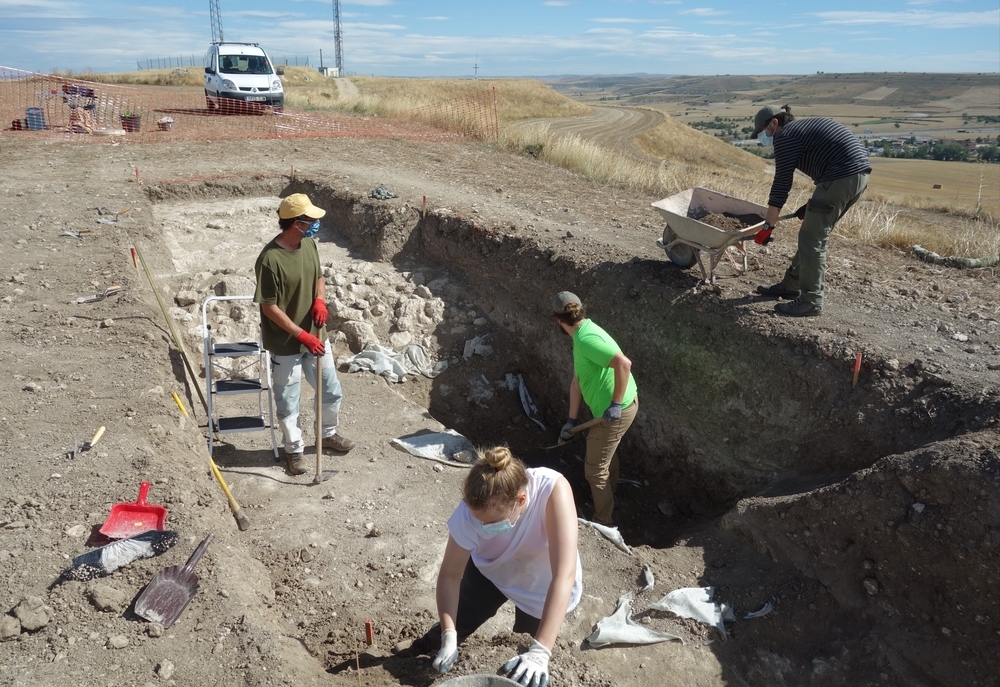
(337,39)
(216,15)
(476,67)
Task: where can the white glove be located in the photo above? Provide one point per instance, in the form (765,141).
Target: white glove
(448,652)
(530,669)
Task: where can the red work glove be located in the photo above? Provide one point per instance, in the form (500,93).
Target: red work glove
(319,312)
(315,346)
(763,237)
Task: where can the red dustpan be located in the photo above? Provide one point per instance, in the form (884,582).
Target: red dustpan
(128,519)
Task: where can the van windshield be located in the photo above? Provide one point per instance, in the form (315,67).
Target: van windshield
(244,64)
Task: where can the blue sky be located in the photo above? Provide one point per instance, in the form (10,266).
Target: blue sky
(519,38)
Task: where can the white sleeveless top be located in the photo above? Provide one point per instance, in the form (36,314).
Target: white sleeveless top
(517,562)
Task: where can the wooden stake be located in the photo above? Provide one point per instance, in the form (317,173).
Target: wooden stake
(137,179)
(423,211)
(292,173)
(857,368)
(135,261)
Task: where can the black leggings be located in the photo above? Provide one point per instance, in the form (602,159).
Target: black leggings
(478,601)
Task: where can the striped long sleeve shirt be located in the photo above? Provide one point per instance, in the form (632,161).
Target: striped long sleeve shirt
(820,147)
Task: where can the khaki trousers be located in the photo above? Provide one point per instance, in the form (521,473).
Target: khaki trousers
(828,204)
(601,467)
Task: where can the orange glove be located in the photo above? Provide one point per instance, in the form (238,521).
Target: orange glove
(763,237)
(319,312)
(315,346)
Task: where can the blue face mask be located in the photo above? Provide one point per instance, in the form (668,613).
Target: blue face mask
(492,529)
(764,139)
(312,230)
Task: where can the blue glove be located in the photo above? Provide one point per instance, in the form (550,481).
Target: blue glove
(529,669)
(565,434)
(448,652)
(614,412)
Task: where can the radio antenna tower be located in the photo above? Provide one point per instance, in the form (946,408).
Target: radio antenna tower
(216,15)
(338,45)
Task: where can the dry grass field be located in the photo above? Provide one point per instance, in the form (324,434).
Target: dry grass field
(884,104)
(962,186)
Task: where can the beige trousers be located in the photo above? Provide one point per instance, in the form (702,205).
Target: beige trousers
(601,468)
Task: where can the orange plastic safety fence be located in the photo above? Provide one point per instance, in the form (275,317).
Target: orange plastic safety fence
(48,106)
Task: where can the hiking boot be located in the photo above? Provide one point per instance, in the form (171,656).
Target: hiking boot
(338,443)
(296,463)
(777,291)
(798,308)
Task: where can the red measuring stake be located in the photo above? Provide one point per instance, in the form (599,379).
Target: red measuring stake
(369,632)
(857,369)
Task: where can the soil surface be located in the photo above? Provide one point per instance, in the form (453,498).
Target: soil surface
(867,515)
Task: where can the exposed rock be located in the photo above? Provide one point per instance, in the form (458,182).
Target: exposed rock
(10,627)
(106,598)
(32,613)
(117,642)
(185,298)
(359,335)
(234,285)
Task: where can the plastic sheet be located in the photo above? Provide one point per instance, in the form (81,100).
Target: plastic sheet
(696,603)
(619,628)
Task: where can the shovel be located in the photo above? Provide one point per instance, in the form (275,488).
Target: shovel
(171,590)
(578,428)
(128,519)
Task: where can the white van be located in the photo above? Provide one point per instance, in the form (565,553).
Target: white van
(241,72)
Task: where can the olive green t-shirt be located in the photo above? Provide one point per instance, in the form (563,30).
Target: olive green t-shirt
(287,278)
(593,349)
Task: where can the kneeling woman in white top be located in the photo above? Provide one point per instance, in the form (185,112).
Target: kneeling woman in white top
(513,537)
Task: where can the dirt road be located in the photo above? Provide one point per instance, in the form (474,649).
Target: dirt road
(608,126)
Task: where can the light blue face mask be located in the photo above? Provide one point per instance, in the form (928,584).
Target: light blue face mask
(764,139)
(312,230)
(492,529)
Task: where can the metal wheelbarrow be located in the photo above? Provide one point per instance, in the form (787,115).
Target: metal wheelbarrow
(685,238)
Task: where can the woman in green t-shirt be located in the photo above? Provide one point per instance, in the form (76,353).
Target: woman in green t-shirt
(602,378)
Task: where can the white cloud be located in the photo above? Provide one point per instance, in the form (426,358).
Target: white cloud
(436,18)
(703,12)
(619,20)
(922,18)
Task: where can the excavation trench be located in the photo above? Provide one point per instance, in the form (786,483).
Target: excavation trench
(824,474)
(727,411)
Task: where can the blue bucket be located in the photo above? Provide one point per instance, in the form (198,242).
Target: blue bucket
(36,118)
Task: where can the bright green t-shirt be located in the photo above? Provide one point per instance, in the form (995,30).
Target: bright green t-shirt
(287,278)
(593,350)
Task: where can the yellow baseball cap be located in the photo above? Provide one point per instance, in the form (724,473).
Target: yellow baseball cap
(298,204)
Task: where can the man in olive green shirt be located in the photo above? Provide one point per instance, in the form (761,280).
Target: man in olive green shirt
(291,292)
(602,378)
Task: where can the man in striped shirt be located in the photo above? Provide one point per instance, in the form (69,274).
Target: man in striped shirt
(837,162)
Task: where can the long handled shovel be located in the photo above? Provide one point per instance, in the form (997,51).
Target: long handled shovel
(319,420)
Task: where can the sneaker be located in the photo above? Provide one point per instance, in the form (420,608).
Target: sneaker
(777,291)
(338,443)
(798,308)
(296,463)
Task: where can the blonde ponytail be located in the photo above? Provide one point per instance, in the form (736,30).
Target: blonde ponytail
(495,480)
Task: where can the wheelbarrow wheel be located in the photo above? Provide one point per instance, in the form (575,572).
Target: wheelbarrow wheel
(680,254)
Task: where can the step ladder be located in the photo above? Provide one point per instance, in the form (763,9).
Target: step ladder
(244,359)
